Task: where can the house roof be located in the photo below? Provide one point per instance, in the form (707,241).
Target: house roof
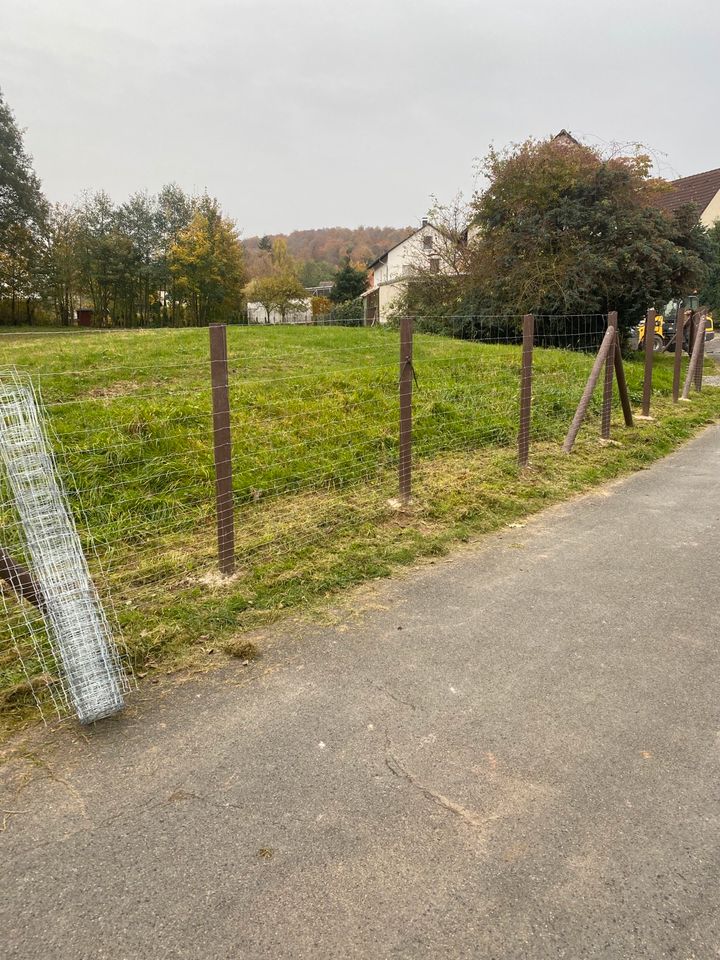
(565,139)
(698,189)
(394,246)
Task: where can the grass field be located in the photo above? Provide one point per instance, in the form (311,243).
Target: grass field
(314,416)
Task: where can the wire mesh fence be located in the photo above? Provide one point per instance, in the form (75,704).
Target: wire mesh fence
(315,442)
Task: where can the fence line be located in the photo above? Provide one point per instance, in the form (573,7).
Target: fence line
(322,418)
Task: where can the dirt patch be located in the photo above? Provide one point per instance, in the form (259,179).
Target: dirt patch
(119,389)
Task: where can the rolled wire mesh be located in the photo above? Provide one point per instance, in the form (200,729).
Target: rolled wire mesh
(79,634)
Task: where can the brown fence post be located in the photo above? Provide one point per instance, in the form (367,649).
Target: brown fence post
(679,340)
(406,385)
(608,383)
(526,371)
(622,382)
(698,343)
(692,327)
(19,579)
(223,447)
(700,333)
(649,344)
(600,359)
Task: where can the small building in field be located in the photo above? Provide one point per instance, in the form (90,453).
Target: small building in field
(390,273)
(300,311)
(702,190)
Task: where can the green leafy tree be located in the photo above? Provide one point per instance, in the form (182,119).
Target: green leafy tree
(138,220)
(22,203)
(350,283)
(561,230)
(104,257)
(175,210)
(281,291)
(315,272)
(63,284)
(23,212)
(710,292)
(206,262)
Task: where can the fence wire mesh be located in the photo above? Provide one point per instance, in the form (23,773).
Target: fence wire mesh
(314,422)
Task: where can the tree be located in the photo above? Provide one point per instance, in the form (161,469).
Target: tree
(206,263)
(105,254)
(63,276)
(562,230)
(279,291)
(23,211)
(22,203)
(138,220)
(19,273)
(315,272)
(350,283)
(321,307)
(175,210)
(710,292)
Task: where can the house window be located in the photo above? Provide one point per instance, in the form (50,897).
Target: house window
(434,264)
(427,242)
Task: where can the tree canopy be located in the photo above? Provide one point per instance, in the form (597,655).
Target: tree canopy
(280,287)
(563,230)
(710,292)
(350,282)
(23,213)
(321,252)
(206,263)
(22,204)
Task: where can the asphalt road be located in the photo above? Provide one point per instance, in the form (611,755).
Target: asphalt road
(513,754)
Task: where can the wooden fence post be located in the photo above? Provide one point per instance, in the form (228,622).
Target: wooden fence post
(223,447)
(608,382)
(698,344)
(679,341)
(406,385)
(622,383)
(526,371)
(602,356)
(700,332)
(649,345)
(19,579)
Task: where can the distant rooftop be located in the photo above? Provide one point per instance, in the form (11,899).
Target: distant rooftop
(565,139)
(698,189)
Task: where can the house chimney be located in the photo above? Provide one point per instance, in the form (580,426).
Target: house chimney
(424,222)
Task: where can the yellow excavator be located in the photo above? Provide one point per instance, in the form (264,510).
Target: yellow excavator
(664,333)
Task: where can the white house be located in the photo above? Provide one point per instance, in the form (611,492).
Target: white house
(389,274)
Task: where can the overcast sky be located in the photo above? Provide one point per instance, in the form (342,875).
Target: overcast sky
(311,113)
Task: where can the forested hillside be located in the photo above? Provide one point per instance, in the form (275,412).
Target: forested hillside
(320,252)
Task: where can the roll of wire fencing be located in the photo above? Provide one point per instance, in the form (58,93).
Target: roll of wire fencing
(79,636)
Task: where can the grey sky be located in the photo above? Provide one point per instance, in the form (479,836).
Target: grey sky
(309,113)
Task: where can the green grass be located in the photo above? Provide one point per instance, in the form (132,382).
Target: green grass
(314,417)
